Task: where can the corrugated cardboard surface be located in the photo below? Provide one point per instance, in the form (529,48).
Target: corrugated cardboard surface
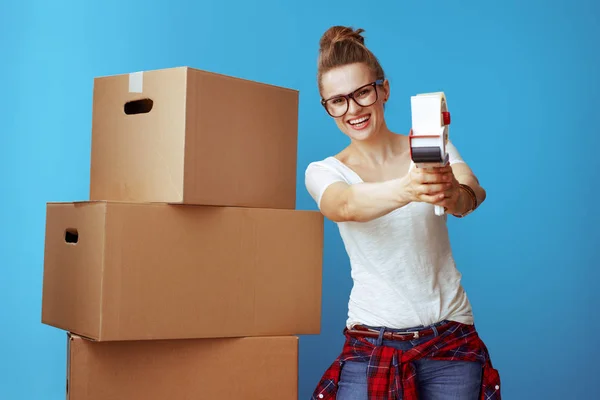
(158,271)
(208,139)
(262,368)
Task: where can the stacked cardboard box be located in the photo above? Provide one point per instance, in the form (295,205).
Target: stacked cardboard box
(188,272)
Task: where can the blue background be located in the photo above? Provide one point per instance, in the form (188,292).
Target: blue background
(522,83)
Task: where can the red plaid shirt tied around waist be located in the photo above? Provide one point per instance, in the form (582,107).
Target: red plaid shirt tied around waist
(391,375)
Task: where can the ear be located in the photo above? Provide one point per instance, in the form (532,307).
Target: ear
(386,90)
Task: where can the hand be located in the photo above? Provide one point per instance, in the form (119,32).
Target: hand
(432,185)
(453,197)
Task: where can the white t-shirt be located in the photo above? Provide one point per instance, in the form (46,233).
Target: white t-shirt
(403,271)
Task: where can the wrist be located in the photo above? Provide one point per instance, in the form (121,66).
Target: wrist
(464,202)
(467,201)
(403,193)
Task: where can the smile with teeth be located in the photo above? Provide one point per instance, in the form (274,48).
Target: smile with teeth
(359,121)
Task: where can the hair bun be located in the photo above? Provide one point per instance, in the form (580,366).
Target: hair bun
(343,45)
(340,33)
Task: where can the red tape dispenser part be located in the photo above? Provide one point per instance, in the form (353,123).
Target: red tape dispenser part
(445,117)
(430,131)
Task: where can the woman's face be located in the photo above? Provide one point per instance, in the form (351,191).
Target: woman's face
(360,117)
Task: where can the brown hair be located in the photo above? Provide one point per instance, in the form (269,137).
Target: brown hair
(342,45)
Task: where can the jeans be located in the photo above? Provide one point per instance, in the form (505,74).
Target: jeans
(436,379)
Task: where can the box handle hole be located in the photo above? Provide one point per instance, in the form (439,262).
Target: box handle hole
(143,106)
(71,235)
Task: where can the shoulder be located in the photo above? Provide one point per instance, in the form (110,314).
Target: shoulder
(453,153)
(329,164)
(326,170)
(319,175)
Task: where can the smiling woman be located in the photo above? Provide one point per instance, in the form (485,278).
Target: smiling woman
(407,302)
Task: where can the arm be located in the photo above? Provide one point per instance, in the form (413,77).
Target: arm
(462,202)
(457,201)
(465,175)
(363,202)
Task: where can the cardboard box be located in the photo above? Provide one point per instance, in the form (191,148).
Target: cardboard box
(141,271)
(262,368)
(186,136)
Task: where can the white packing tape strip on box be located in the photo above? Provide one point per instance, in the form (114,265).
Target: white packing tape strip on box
(430,120)
(136,82)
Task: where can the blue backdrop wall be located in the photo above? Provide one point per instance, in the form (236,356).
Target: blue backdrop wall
(522,82)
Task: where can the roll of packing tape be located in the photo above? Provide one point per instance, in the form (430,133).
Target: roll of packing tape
(430,131)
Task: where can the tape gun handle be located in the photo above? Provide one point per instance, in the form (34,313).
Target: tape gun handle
(439,210)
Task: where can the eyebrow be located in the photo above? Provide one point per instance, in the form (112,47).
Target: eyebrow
(333,96)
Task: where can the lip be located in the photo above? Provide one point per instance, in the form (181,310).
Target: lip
(358,117)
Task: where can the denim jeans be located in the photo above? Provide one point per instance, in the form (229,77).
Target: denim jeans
(436,379)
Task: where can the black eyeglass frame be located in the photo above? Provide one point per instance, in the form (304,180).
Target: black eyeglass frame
(350,96)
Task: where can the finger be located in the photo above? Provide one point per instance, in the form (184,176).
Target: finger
(430,177)
(447,170)
(428,168)
(434,188)
(432,198)
(444,168)
(446,177)
(448,198)
(449,193)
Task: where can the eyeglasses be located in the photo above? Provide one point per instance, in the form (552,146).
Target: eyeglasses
(364,96)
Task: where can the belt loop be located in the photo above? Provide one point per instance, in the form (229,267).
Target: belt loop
(380,337)
(435,331)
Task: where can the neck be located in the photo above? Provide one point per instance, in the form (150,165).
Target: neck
(379,148)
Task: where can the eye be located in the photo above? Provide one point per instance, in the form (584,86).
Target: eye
(364,92)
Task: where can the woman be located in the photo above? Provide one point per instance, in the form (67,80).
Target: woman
(410,326)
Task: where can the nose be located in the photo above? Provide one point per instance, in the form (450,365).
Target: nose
(353,106)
